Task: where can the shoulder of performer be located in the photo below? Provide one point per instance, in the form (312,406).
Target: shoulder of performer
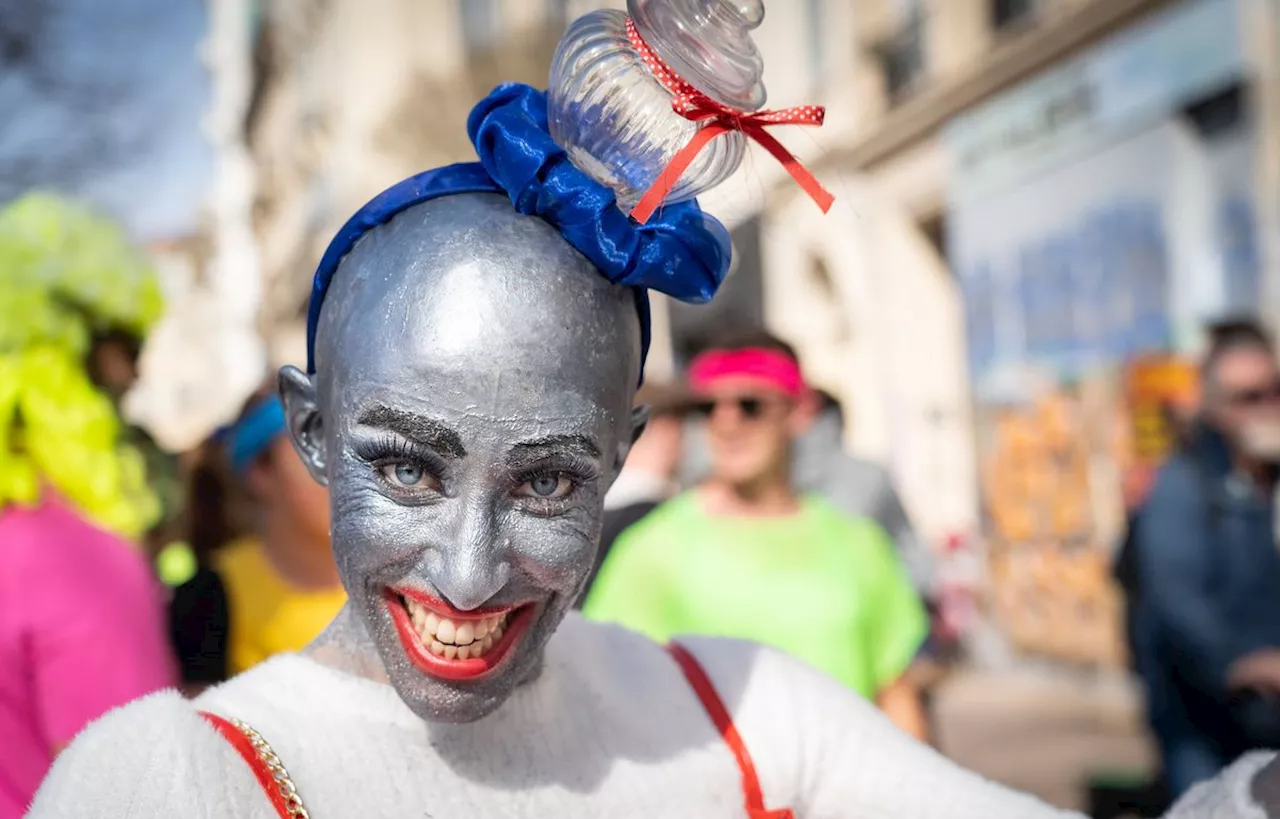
(155,757)
(1249,788)
(824,750)
(759,683)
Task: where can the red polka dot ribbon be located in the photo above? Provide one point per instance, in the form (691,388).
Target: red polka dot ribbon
(718,119)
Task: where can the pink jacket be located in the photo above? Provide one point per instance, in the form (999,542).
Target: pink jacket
(81,632)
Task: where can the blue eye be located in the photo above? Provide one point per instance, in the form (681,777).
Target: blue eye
(404,474)
(408,474)
(546,487)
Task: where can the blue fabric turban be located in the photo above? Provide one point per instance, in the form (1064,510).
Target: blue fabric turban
(681,251)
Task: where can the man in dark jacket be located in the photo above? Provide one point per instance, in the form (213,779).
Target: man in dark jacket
(1210,570)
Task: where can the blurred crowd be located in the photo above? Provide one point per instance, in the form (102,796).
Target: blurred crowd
(738,513)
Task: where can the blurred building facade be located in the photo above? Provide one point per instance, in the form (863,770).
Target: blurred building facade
(1034,198)
(212,277)
(354,96)
(1041,202)
(1082,175)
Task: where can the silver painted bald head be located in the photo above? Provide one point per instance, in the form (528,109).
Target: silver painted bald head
(471,405)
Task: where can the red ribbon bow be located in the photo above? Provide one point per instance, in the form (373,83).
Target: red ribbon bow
(718,119)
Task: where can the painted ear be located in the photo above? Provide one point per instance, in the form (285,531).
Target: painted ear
(639,420)
(306,426)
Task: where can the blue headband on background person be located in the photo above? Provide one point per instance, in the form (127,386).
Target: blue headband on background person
(248,438)
(681,251)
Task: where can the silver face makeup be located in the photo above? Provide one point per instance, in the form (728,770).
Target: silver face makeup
(471,406)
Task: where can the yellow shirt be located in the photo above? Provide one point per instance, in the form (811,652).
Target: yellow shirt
(268,616)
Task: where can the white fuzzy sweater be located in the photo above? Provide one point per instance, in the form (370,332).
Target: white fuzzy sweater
(610,729)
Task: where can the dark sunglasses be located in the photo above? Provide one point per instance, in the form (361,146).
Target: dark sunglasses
(1255,396)
(751,407)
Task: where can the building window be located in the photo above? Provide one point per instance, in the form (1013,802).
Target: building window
(479,23)
(1007,13)
(902,59)
(558,13)
(935,230)
(1220,113)
(738,305)
(814,43)
(825,287)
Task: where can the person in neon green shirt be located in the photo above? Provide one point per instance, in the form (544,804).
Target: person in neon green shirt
(744,556)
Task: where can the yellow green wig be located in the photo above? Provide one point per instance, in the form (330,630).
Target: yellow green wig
(67,274)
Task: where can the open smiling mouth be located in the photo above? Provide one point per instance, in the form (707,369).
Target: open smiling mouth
(451,644)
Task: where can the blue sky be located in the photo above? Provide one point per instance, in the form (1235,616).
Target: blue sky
(111,110)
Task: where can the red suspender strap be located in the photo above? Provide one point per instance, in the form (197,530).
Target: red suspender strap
(706,691)
(244,747)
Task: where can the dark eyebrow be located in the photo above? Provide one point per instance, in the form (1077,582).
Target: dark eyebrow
(426,431)
(554,444)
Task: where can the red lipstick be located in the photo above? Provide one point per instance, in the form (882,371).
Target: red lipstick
(430,636)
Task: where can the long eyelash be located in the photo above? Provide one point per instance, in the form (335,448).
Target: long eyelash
(577,469)
(387,448)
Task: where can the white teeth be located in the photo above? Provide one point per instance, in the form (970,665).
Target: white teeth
(446,632)
(465,635)
(462,640)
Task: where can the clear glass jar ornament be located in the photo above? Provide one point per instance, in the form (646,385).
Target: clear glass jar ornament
(614,118)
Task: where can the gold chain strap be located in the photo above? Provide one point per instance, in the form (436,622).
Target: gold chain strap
(292,802)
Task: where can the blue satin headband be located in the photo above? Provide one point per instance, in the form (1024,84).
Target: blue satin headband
(681,251)
(248,438)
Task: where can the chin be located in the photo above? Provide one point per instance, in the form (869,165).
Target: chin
(740,469)
(742,479)
(438,705)
(450,666)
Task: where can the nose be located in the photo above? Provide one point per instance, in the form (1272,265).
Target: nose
(471,566)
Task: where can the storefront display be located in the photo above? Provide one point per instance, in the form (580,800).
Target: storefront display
(1050,578)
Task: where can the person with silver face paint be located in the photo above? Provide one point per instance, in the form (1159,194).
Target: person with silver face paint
(478,334)
(1207,602)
